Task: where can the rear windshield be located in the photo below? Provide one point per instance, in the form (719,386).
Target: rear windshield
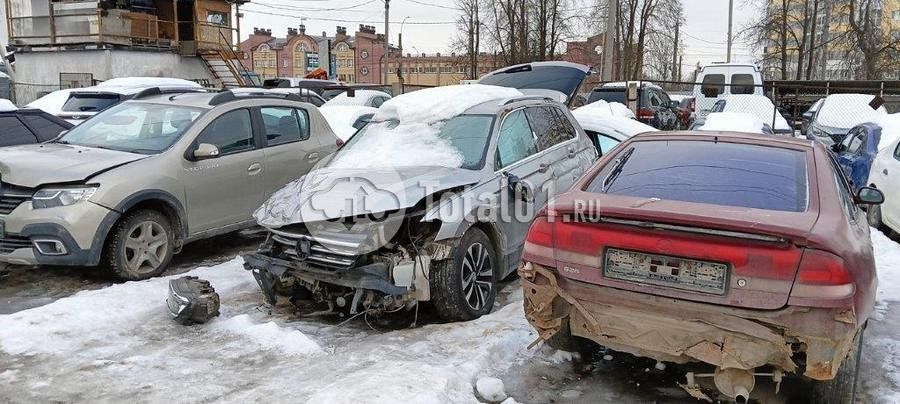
(608,96)
(716,173)
(742,84)
(713,85)
(89,102)
(559,78)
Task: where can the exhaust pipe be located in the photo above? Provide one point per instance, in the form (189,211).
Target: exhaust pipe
(735,383)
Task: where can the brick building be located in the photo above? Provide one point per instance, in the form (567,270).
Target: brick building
(295,55)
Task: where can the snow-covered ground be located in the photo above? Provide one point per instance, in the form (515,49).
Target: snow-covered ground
(118,343)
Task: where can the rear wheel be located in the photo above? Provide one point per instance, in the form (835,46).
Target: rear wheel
(140,246)
(463,287)
(842,389)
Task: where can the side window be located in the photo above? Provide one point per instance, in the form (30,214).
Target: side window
(377,101)
(719,106)
(654,99)
(713,85)
(857,142)
(843,188)
(549,126)
(516,140)
(664,99)
(602,142)
(231,132)
(14,132)
(316,100)
(284,125)
(44,128)
(742,84)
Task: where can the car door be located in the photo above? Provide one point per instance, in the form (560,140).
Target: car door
(223,190)
(886,174)
(851,158)
(557,145)
(517,160)
(290,150)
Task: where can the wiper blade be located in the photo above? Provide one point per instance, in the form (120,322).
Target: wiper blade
(617,169)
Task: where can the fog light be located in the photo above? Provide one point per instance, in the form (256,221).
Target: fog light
(50,247)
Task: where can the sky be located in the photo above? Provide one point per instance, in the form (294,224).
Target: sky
(429,24)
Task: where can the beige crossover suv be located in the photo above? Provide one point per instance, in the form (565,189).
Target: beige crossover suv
(129,187)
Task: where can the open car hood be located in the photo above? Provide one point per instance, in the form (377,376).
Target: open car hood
(563,77)
(335,193)
(34,165)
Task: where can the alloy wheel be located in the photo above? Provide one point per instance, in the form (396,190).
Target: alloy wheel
(477,276)
(146,245)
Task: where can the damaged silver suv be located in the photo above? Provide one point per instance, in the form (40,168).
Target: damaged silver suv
(430,201)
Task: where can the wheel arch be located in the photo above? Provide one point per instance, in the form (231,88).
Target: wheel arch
(160,201)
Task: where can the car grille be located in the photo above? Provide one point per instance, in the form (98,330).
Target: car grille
(11,197)
(329,252)
(12,243)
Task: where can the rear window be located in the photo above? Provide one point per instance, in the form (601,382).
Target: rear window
(713,85)
(558,78)
(608,96)
(742,84)
(716,173)
(89,102)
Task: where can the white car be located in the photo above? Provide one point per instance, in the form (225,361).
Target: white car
(345,120)
(734,122)
(838,113)
(885,175)
(608,124)
(759,106)
(363,98)
(719,80)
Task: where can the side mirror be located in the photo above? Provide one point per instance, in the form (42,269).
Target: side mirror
(869,196)
(808,115)
(206,151)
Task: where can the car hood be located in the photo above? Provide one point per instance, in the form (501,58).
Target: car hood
(563,77)
(335,193)
(53,163)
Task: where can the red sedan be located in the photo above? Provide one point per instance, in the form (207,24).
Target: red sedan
(747,253)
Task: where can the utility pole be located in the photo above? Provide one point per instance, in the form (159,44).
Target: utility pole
(675,54)
(606,72)
(387,42)
(730,12)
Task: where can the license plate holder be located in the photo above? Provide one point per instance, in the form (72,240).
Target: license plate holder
(666,271)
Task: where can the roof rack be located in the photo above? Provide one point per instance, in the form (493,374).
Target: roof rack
(527,98)
(228,96)
(153,91)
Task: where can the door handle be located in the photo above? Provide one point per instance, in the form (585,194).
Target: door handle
(885,171)
(571,153)
(254,169)
(544,167)
(313,156)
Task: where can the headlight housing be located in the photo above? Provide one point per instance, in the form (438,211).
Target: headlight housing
(56,197)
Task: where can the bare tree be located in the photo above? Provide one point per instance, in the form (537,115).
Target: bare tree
(468,40)
(878,47)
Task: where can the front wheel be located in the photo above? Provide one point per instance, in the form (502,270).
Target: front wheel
(140,246)
(463,286)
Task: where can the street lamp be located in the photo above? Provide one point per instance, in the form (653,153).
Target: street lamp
(400,60)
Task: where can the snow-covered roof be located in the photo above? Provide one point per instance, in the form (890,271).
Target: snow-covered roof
(7,105)
(342,117)
(360,97)
(609,108)
(847,110)
(601,120)
(622,84)
(277,90)
(52,103)
(759,106)
(890,129)
(733,122)
(441,103)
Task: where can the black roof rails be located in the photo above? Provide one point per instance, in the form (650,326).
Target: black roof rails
(153,91)
(228,96)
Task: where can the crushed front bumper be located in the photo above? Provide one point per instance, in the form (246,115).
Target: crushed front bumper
(804,340)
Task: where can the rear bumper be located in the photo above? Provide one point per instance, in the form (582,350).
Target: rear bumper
(804,340)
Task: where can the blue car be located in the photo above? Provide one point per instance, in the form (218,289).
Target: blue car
(857,151)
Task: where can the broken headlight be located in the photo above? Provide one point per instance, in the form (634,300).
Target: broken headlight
(56,197)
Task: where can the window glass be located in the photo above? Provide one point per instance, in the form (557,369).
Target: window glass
(284,125)
(45,129)
(654,99)
(516,140)
(719,106)
(89,102)
(856,142)
(230,132)
(14,132)
(717,173)
(602,142)
(134,127)
(377,101)
(843,188)
(742,84)
(549,127)
(713,85)
(608,96)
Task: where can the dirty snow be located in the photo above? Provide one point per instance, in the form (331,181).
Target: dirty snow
(490,389)
(342,117)
(361,98)
(732,122)
(847,110)
(759,106)
(440,103)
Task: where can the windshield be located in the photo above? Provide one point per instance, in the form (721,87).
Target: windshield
(89,102)
(134,127)
(458,142)
(608,96)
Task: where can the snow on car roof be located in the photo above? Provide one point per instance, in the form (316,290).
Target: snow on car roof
(342,117)
(52,103)
(847,110)
(360,97)
(7,105)
(890,129)
(618,84)
(609,108)
(147,82)
(733,122)
(441,103)
(757,105)
(600,120)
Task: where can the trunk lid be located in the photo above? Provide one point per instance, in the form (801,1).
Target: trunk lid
(564,77)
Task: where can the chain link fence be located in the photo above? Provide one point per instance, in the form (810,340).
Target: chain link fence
(23,93)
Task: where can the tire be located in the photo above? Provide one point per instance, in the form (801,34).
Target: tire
(873,216)
(140,246)
(453,298)
(842,389)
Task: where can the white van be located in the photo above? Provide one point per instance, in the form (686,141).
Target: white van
(716,81)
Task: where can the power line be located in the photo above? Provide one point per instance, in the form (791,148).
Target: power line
(433,5)
(316,9)
(345,20)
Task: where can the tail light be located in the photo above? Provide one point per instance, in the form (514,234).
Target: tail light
(540,240)
(645,113)
(822,277)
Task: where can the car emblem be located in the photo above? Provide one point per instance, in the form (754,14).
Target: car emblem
(304,248)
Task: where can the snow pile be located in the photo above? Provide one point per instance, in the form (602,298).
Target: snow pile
(7,105)
(759,106)
(270,335)
(603,121)
(847,110)
(732,122)
(602,107)
(342,117)
(52,103)
(490,389)
(360,98)
(440,103)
